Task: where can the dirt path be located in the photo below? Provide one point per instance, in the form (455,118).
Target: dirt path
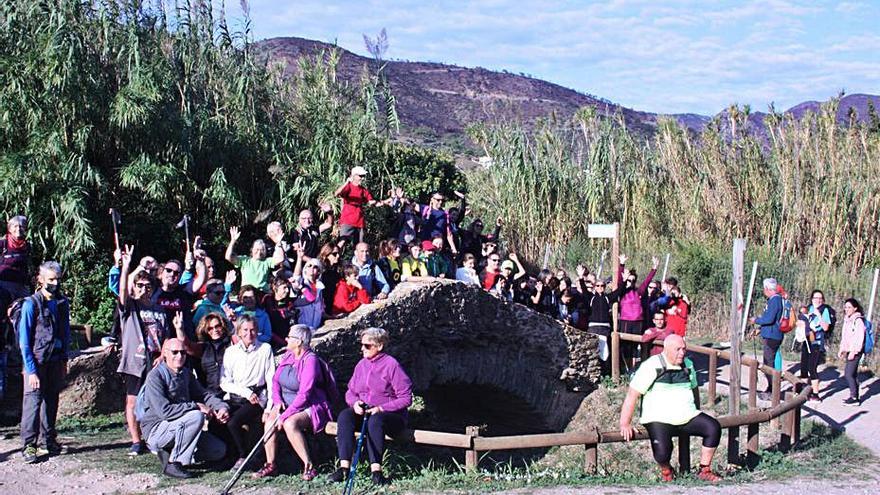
(859,423)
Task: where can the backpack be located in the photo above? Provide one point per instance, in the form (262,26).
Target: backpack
(868,346)
(15,312)
(330,386)
(788,316)
(140,405)
(832,316)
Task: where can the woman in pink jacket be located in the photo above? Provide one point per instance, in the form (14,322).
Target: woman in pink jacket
(302,390)
(852,344)
(632,317)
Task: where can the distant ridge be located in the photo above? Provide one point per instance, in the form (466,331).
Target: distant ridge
(436,102)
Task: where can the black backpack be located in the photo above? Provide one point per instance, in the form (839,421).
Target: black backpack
(15,312)
(832,315)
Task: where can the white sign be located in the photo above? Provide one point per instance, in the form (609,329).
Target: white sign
(601,231)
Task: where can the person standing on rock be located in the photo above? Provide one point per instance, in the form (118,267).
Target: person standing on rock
(769,331)
(44,339)
(143,329)
(667,385)
(354,198)
(175,407)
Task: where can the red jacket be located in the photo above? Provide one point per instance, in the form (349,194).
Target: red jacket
(677,317)
(348,298)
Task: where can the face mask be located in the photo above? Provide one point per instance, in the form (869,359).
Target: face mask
(52,288)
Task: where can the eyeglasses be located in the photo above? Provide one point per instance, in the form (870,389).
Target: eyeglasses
(334,253)
(215,327)
(599,285)
(367,345)
(291,337)
(177,352)
(173,272)
(143,285)
(494,260)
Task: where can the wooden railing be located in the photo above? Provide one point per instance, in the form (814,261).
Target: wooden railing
(787,407)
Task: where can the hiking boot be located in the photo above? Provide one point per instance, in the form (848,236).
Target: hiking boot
(814,398)
(339,475)
(52,449)
(137,449)
(852,401)
(379,480)
(29,454)
(667,473)
(706,474)
(268,470)
(175,470)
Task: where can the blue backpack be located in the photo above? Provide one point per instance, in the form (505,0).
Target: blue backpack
(869,336)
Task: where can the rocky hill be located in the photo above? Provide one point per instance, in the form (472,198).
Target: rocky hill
(436,102)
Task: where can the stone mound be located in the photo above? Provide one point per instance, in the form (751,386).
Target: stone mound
(447,334)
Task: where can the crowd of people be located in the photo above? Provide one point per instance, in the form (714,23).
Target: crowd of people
(199,348)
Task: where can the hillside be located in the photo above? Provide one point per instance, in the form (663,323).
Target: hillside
(436,102)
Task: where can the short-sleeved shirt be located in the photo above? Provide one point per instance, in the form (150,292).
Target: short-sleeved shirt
(177,300)
(667,391)
(353,200)
(255,272)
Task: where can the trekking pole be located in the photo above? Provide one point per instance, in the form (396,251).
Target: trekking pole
(349,483)
(266,435)
(665,267)
(116,219)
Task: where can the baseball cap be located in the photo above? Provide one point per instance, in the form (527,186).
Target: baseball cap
(507,264)
(427,246)
(359,171)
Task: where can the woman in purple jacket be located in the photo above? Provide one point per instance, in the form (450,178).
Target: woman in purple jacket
(632,317)
(380,388)
(302,389)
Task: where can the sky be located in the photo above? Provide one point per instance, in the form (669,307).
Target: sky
(663,56)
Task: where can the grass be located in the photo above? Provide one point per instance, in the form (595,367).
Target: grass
(822,453)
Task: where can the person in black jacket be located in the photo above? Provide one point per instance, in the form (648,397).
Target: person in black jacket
(598,308)
(214,337)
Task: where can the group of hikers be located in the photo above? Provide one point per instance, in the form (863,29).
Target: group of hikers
(203,365)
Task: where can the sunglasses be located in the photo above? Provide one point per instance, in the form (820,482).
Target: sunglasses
(366,345)
(334,253)
(218,292)
(177,352)
(494,260)
(215,327)
(173,272)
(142,285)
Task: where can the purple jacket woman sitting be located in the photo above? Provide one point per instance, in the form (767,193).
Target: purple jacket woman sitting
(303,389)
(380,389)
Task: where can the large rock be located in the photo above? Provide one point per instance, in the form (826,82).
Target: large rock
(93,385)
(447,334)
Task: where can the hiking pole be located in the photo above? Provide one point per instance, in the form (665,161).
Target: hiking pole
(665,267)
(116,219)
(184,223)
(349,483)
(266,435)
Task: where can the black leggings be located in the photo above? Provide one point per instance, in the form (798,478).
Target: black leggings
(810,362)
(851,373)
(378,426)
(242,413)
(702,425)
(630,349)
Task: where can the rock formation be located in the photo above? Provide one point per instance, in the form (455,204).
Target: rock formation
(447,334)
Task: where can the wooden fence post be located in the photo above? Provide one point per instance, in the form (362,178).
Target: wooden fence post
(733,445)
(591,455)
(753,386)
(684,453)
(775,392)
(788,419)
(752,445)
(713,370)
(471,456)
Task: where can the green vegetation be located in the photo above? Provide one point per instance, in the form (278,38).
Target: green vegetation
(808,196)
(159,113)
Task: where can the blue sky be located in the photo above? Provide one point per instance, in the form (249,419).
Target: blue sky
(665,56)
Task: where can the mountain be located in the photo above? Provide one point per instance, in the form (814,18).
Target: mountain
(436,102)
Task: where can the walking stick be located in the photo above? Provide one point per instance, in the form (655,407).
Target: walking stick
(349,483)
(116,219)
(266,435)
(184,222)
(665,267)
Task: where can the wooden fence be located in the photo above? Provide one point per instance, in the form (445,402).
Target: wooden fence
(785,407)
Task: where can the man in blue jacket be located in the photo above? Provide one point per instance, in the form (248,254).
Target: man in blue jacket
(44,338)
(769,332)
